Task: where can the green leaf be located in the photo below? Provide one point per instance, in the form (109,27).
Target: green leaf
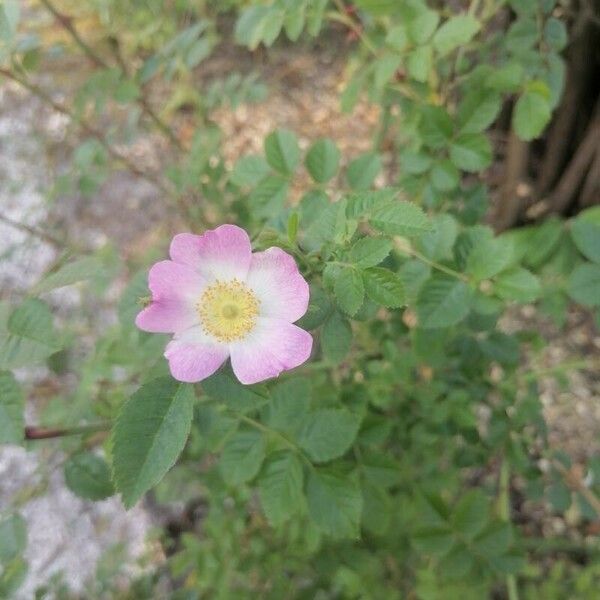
(471,152)
(397,37)
(585,231)
(471,514)
(584,285)
(334,503)
(419,63)
(400,218)
(478,110)
(150,433)
(377,508)
(384,69)
(560,496)
(436,541)
(336,338)
(293,21)
(422,26)
(522,36)
(443,302)
(494,540)
(249,170)
(315,14)
(319,307)
(541,241)
(384,287)
(370,251)
(249,26)
(437,244)
(12,577)
(280,487)
(282,151)
(328,433)
(29,336)
(378,8)
(456,31)
(517,284)
(224,388)
(88,476)
(331,224)
(506,79)
(555,34)
(445,176)
(362,171)
(380,469)
(489,256)
(242,457)
(531,115)
(289,405)
(414,274)
(70,273)
(349,290)
(361,204)
(268,197)
(322,160)
(457,563)
(271,25)
(13,538)
(12,405)
(436,126)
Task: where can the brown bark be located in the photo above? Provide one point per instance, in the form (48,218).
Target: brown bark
(572,177)
(591,188)
(509,208)
(572,113)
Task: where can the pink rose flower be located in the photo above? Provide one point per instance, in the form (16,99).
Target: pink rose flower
(221,300)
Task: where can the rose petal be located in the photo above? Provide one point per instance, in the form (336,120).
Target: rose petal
(275,279)
(175,290)
(272,347)
(223,253)
(193,356)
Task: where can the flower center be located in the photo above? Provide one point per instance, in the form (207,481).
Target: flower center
(228,310)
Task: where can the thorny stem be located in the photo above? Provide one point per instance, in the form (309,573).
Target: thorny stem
(344,18)
(43,433)
(66,23)
(34,231)
(577,484)
(87,127)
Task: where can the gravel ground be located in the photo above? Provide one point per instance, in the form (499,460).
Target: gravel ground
(65,534)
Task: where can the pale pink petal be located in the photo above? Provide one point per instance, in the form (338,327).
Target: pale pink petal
(175,291)
(276,281)
(273,346)
(223,253)
(193,356)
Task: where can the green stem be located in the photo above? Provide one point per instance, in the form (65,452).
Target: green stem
(433,264)
(504,514)
(34,231)
(265,429)
(562,368)
(66,22)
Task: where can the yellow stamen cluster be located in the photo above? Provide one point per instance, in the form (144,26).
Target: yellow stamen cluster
(228,310)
